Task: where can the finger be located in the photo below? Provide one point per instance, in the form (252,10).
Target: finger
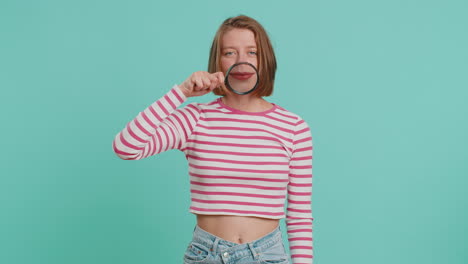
(220,75)
(199,84)
(206,82)
(213,77)
(219,79)
(214,81)
(201,92)
(187,85)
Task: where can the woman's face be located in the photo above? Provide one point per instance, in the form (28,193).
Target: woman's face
(238,45)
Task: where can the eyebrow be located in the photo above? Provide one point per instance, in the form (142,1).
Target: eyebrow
(249,47)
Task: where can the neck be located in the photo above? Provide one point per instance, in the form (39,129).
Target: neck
(246,103)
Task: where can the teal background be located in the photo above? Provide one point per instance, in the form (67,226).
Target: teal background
(382,84)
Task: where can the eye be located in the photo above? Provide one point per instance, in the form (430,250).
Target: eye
(228,53)
(253,52)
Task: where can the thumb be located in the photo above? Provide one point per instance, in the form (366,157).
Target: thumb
(220,76)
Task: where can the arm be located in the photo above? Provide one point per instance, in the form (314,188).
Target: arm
(158,128)
(299,211)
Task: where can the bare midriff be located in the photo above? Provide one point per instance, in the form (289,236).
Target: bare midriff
(237,229)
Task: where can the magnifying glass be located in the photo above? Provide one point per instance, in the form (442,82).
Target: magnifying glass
(241,78)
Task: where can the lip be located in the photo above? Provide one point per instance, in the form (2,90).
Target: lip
(241,75)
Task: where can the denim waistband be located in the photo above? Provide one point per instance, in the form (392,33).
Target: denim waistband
(219,245)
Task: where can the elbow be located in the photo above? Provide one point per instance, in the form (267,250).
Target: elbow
(124,155)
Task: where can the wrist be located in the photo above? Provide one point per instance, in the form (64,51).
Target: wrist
(183,90)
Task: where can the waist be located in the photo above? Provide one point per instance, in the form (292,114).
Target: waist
(215,243)
(237,229)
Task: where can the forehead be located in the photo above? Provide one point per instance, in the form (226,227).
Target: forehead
(238,38)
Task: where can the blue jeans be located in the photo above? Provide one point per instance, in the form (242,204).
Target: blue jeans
(206,248)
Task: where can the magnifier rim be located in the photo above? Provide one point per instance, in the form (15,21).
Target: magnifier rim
(226,82)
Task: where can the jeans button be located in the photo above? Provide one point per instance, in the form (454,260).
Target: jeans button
(225,254)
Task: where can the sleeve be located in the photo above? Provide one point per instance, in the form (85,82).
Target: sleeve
(158,128)
(299,210)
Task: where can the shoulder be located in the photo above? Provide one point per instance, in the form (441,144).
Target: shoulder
(201,107)
(293,117)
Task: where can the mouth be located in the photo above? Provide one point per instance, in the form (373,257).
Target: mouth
(241,75)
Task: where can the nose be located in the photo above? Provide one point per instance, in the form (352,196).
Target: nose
(241,57)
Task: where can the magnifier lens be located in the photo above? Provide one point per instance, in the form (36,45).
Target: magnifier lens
(242,78)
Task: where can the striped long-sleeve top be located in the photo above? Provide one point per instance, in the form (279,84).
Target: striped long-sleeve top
(240,163)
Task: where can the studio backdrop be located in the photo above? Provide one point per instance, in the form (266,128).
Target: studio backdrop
(382,84)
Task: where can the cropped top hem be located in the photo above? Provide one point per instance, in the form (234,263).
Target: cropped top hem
(196,212)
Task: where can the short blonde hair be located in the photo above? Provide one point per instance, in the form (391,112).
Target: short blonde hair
(266,56)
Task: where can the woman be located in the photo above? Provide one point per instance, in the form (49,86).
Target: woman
(244,153)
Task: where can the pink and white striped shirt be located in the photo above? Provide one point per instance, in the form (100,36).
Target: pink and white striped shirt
(240,163)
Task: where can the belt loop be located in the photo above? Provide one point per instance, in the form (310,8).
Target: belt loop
(214,248)
(254,253)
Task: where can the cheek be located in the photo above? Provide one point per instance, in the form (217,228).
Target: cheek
(225,64)
(255,62)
